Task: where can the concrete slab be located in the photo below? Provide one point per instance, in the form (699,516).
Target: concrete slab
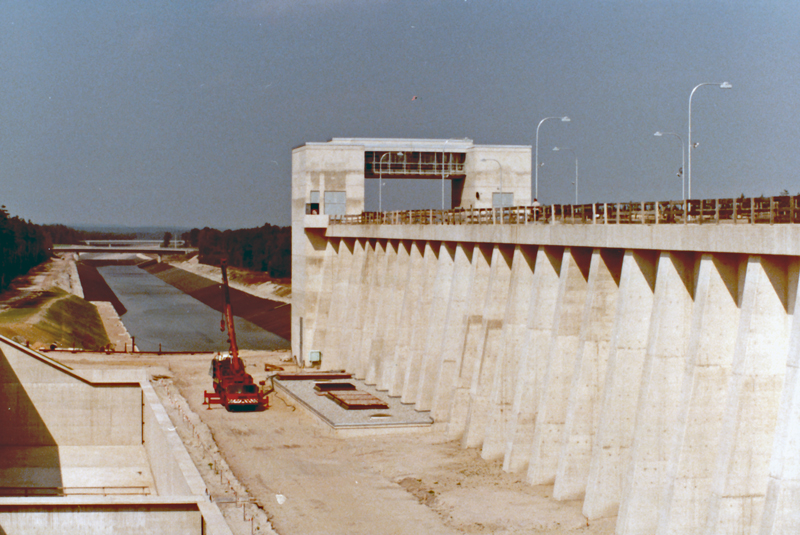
(398,415)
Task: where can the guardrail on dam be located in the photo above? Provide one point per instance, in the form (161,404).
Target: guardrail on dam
(642,357)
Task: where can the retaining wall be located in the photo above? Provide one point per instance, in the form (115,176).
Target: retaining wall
(657,381)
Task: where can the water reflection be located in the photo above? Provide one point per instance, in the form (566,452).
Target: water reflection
(159,313)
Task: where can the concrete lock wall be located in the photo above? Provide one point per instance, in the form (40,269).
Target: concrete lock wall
(656,384)
(34,393)
(98,451)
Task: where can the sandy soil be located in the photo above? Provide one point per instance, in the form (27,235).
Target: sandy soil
(58,272)
(305,480)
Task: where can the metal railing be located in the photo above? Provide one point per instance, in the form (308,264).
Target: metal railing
(759,210)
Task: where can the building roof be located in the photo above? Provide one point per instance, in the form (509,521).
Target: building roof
(412,145)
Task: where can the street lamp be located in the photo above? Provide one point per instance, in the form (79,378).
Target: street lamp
(380,179)
(576,168)
(564,119)
(443,149)
(502,203)
(682,174)
(723,85)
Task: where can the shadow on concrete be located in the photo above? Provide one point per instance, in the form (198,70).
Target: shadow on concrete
(29,459)
(95,287)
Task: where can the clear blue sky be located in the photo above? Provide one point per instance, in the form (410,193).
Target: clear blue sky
(185,113)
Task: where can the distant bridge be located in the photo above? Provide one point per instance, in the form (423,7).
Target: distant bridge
(130,249)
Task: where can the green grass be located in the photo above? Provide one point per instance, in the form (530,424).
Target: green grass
(68,321)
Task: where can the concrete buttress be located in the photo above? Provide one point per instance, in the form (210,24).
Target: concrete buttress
(386,316)
(376,295)
(395,319)
(659,400)
(533,361)
(471,346)
(455,329)
(561,354)
(586,394)
(421,315)
(337,316)
(317,333)
(513,339)
(411,297)
(695,441)
(611,448)
(365,304)
(783,488)
(490,345)
(429,365)
(741,471)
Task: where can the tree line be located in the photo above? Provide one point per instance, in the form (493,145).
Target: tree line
(64,235)
(23,245)
(267,248)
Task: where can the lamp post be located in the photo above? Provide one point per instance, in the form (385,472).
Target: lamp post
(502,203)
(380,178)
(723,85)
(564,119)
(682,174)
(380,182)
(576,168)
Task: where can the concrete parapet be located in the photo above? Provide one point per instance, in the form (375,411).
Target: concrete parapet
(781,240)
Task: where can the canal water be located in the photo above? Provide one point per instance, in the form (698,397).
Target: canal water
(159,313)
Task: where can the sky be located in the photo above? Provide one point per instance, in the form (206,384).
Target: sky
(137,113)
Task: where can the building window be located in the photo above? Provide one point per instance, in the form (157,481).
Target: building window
(312,207)
(502,200)
(335,202)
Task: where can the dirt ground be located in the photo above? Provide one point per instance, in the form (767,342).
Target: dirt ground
(300,478)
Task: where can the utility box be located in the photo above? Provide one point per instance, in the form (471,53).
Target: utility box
(314,357)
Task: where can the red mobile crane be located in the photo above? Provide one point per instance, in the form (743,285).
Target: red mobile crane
(233,386)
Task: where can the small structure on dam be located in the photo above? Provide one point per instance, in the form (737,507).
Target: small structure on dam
(642,357)
(92,452)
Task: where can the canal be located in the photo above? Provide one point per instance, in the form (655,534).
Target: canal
(158,314)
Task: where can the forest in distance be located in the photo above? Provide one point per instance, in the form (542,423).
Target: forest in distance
(24,245)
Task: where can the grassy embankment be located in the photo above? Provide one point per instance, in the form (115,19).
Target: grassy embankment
(54,316)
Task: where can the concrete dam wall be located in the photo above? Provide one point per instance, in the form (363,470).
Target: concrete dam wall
(659,384)
(640,356)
